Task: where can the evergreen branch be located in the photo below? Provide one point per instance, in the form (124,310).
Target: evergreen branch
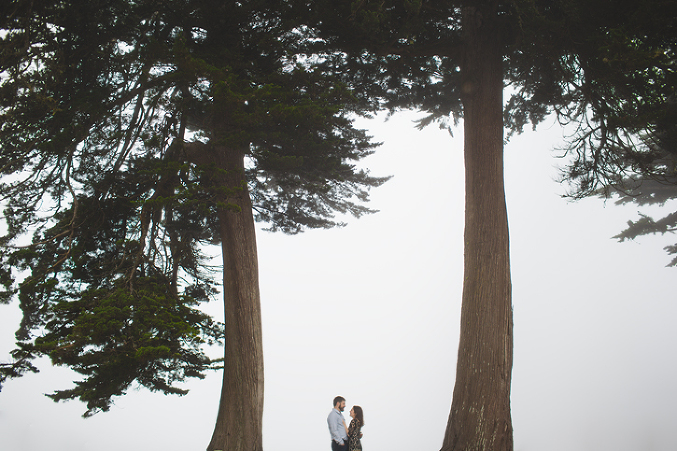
(71,224)
(17,368)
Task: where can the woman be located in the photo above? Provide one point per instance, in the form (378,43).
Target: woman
(354,430)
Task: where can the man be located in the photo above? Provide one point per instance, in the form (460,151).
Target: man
(337,428)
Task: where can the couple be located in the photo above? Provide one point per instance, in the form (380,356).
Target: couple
(345,438)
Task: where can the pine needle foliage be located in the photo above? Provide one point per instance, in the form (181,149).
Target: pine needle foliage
(650,181)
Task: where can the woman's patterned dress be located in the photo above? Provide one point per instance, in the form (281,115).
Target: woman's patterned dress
(354,435)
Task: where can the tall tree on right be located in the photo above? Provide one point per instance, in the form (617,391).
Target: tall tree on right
(603,67)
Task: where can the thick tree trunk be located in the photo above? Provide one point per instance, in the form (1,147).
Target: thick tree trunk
(239,421)
(480,412)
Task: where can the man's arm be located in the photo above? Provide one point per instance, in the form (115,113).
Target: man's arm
(335,423)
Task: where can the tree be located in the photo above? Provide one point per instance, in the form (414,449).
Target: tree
(453,59)
(133,134)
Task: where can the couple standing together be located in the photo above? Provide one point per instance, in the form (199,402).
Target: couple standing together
(345,438)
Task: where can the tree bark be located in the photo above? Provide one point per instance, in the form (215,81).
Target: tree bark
(480,417)
(239,420)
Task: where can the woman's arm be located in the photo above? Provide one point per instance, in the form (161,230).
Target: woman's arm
(354,430)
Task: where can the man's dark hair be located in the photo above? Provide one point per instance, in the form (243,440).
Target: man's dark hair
(338,399)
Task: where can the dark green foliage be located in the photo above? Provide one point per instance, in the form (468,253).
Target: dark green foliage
(632,152)
(111,308)
(405,53)
(609,72)
(606,66)
(646,225)
(110,112)
(653,182)
(118,336)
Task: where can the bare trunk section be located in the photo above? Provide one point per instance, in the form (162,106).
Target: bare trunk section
(480,417)
(239,421)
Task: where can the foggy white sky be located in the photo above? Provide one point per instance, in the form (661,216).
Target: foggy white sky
(371,312)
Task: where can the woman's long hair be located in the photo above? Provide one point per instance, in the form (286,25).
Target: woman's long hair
(359,415)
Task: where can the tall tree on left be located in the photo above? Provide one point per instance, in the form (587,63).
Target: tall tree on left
(135,133)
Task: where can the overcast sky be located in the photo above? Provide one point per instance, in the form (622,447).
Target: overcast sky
(371,312)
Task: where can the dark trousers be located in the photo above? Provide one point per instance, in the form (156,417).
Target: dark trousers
(336,447)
